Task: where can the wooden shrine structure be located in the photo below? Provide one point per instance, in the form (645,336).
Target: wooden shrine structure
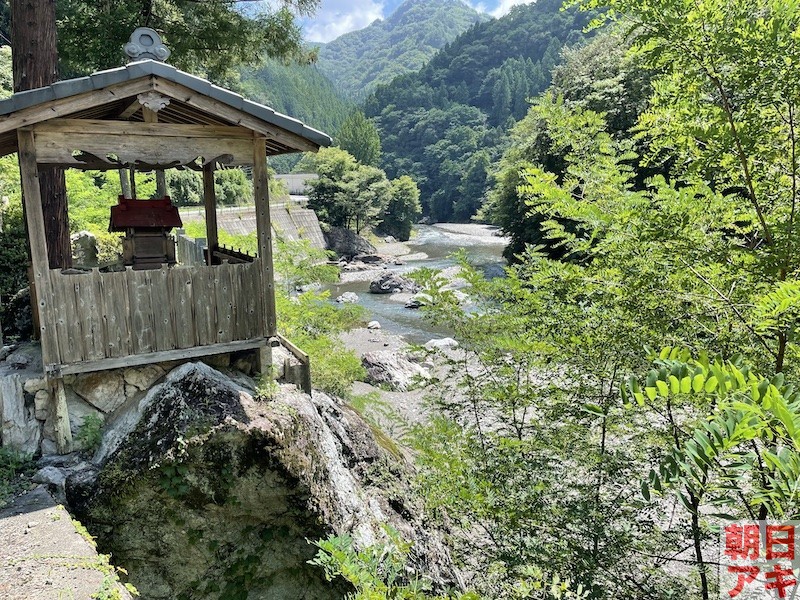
(149,116)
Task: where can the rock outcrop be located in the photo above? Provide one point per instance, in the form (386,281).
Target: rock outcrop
(347,243)
(203,490)
(394,370)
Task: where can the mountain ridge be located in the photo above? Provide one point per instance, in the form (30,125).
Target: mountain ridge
(401,43)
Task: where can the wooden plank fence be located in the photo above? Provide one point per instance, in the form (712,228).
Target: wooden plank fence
(98,317)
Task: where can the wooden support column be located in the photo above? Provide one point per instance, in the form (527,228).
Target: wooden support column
(151,116)
(264,231)
(210,201)
(31,195)
(34,217)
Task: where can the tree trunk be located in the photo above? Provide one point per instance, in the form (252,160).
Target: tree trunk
(35,64)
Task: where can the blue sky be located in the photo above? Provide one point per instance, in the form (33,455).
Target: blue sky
(336,17)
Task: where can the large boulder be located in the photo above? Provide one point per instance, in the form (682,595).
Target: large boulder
(203,490)
(393,370)
(347,243)
(390,283)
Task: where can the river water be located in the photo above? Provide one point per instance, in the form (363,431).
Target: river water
(438,242)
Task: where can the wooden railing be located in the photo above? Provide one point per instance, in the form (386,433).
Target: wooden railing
(101,320)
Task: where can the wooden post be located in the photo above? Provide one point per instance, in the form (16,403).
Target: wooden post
(210,200)
(264,231)
(150,116)
(125,183)
(29,178)
(62,427)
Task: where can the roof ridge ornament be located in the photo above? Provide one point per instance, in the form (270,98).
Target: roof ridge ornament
(146,43)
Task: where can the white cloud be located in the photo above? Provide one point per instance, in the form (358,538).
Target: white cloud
(503,6)
(336,17)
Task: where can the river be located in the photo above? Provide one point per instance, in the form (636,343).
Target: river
(438,242)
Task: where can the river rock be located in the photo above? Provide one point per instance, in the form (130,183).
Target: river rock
(390,283)
(204,467)
(418,301)
(373,325)
(394,370)
(441,344)
(348,298)
(369,259)
(346,243)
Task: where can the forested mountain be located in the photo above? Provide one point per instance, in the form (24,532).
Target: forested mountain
(402,43)
(445,124)
(300,91)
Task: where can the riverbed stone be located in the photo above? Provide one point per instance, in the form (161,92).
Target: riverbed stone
(373,325)
(390,283)
(393,370)
(348,298)
(105,390)
(442,343)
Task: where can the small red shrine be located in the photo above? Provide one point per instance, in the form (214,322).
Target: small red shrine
(147,225)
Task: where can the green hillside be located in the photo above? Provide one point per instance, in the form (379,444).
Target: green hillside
(300,91)
(357,61)
(445,124)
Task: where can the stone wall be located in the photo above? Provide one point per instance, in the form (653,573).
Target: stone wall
(27,419)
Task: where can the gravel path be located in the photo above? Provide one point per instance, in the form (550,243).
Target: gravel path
(43,556)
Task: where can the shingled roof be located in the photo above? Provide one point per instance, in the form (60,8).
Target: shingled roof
(41,104)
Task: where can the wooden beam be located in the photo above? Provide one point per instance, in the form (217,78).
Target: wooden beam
(161,356)
(58,148)
(31,194)
(151,117)
(146,129)
(264,233)
(131,109)
(66,106)
(210,201)
(234,115)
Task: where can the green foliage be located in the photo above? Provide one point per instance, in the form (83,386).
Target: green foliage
(232,187)
(298,263)
(172,479)
(351,195)
(297,90)
(402,210)
(90,433)
(359,136)
(6,75)
(13,255)
(15,467)
(599,76)
(358,61)
(743,455)
(91,34)
(376,572)
(446,123)
(312,322)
